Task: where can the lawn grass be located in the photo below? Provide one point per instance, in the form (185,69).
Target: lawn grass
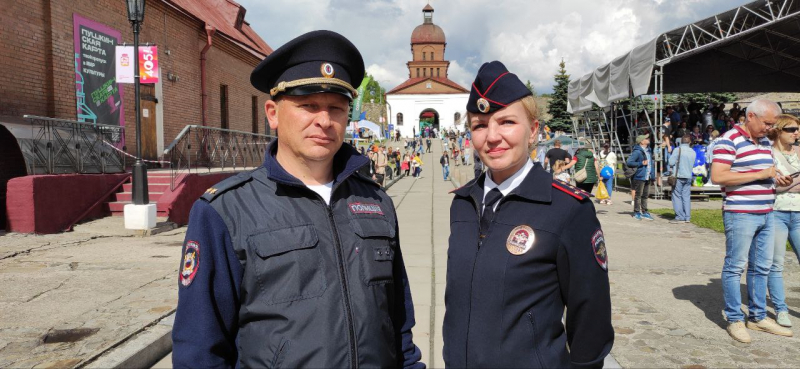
(706,218)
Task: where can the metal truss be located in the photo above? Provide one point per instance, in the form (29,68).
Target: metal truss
(60,146)
(199,147)
(725,26)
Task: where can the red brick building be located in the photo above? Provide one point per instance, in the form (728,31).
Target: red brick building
(39,70)
(38,64)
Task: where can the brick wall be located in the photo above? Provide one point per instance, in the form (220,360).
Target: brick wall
(38,71)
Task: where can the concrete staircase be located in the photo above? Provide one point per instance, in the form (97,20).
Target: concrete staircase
(158,182)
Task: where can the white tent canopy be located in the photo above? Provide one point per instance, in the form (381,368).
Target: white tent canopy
(374,127)
(752,48)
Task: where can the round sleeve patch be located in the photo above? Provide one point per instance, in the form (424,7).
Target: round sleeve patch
(599,249)
(191,261)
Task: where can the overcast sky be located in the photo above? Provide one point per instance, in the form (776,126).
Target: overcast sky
(529,36)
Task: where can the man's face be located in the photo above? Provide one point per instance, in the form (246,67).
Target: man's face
(759,125)
(310,127)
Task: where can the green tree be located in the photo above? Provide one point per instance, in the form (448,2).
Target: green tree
(374,92)
(529,86)
(562,120)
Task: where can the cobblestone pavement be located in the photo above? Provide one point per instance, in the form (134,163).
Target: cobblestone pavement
(66,298)
(667,297)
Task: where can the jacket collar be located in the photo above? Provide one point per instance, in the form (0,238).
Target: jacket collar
(346,162)
(537,186)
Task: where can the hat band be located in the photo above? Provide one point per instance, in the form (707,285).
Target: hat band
(283,85)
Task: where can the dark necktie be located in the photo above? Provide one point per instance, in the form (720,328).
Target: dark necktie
(488,210)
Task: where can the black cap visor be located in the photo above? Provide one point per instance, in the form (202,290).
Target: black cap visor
(317,89)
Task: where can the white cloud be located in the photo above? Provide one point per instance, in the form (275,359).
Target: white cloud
(530,37)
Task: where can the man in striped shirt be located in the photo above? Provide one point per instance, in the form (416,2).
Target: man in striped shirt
(744,168)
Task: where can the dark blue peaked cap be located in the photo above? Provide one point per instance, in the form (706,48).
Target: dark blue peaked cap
(494,88)
(316,62)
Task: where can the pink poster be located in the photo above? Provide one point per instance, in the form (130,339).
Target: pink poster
(148,64)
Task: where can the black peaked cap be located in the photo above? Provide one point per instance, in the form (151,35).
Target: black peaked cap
(495,88)
(304,63)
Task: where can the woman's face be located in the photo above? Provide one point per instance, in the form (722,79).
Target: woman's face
(502,139)
(788,137)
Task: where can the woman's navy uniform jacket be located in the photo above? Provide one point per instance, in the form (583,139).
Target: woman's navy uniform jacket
(504,310)
(273,277)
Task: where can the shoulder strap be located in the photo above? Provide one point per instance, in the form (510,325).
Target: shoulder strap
(785,163)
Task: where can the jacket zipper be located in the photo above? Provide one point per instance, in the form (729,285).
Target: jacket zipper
(343,277)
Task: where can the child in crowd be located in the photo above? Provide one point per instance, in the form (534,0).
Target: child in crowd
(559,172)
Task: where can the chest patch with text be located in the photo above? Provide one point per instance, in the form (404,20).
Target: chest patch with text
(363,208)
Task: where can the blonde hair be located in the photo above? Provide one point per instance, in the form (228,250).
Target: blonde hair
(783,120)
(559,165)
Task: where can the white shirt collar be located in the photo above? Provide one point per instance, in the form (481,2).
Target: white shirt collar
(510,183)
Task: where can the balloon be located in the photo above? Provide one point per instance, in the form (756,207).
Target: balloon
(700,150)
(606,172)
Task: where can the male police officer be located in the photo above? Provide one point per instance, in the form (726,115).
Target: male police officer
(297,263)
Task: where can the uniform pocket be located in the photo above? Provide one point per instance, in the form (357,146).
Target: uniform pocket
(375,250)
(289,265)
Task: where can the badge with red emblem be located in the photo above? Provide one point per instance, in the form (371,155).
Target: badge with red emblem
(191,260)
(520,240)
(599,248)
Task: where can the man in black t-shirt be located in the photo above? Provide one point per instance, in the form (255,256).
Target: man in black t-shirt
(556,153)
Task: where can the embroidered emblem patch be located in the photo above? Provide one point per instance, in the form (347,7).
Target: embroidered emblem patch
(359,208)
(327,70)
(599,248)
(520,240)
(191,260)
(483,105)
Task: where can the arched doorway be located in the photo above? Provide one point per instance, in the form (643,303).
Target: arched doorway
(428,118)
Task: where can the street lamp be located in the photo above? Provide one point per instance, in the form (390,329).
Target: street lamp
(136,17)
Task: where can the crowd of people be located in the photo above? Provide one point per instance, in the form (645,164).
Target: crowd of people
(387,161)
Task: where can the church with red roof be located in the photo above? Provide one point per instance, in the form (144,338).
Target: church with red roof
(428,97)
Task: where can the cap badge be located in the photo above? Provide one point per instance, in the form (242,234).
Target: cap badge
(327,70)
(599,248)
(483,105)
(520,240)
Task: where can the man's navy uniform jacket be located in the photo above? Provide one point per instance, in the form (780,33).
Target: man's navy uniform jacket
(504,310)
(274,277)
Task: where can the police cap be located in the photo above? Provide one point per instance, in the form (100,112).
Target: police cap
(316,62)
(495,88)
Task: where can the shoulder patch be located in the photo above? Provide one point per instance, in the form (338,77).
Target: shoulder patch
(190,263)
(571,190)
(599,249)
(225,185)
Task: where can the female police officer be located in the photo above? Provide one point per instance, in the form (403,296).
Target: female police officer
(522,248)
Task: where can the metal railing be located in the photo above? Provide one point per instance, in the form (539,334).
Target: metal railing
(199,147)
(60,146)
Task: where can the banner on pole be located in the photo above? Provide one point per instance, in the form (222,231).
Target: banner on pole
(98,97)
(124,60)
(148,64)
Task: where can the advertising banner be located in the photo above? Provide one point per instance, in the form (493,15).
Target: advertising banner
(125,64)
(98,96)
(356,112)
(148,64)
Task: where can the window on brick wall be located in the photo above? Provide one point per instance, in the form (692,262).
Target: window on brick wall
(417,72)
(255,113)
(437,72)
(223,107)
(423,55)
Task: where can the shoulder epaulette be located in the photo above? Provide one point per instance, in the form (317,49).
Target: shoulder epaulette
(225,185)
(571,190)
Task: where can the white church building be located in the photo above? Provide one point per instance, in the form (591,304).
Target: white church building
(428,97)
